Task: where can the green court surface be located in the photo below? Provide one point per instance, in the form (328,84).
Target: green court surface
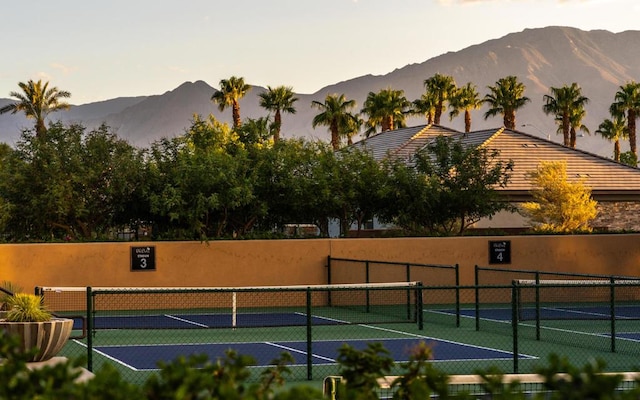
(580,341)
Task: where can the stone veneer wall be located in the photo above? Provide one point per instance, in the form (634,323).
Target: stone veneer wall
(618,216)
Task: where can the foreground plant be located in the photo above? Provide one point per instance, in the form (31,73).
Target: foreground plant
(196,377)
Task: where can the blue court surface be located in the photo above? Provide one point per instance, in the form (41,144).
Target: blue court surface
(146,357)
(194,321)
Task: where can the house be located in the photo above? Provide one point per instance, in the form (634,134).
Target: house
(615,186)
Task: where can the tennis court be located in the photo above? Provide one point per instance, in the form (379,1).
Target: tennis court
(135,328)
(324,352)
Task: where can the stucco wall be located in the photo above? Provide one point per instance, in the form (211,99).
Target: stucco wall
(288,262)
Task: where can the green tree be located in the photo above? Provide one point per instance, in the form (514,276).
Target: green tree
(425,105)
(442,88)
(279,99)
(465,99)
(559,205)
(614,130)
(575,121)
(229,95)
(563,103)
(627,100)
(256,131)
(506,97)
(351,128)
(335,114)
(37,101)
(201,184)
(448,188)
(358,184)
(70,184)
(386,109)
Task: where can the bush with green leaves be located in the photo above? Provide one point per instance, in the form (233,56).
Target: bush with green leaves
(197,377)
(26,307)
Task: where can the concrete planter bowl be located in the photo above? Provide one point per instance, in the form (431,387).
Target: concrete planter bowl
(49,337)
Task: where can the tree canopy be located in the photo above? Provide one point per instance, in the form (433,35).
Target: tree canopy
(559,205)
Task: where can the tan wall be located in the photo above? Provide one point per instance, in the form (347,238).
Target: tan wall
(289,262)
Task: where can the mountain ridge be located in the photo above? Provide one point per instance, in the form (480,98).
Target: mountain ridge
(598,60)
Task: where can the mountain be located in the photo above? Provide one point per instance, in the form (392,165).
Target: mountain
(599,61)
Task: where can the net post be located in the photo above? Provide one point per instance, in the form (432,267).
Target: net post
(514,323)
(419,306)
(89,330)
(309,338)
(612,313)
(234,309)
(477,290)
(457,270)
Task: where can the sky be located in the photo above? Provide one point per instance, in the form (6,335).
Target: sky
(100,50)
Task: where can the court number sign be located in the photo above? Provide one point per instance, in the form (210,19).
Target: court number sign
(500,252)
(143,258)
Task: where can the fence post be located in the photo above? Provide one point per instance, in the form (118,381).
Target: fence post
(89,330)
(457,267)
(419,306)
(477,300)
(366,273)
(329,279)
(408,277)
(537,305)
(514,323)
(612,306)
(309,337)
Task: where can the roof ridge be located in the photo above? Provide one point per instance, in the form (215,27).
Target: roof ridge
(411,139)
(496,134)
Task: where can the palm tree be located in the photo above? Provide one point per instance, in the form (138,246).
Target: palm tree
(230,93)
(575,123)
(37,100)
(425,105)
(506,97)
(442,87)
(335,113)
(564,102)
(465,99)
(351,128)
(613,130)
(278,99)
(627,100)
(387,109)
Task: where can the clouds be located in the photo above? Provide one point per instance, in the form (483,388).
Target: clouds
(65,69)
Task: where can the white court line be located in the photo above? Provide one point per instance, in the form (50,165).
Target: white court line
(299,351)
(323,318)
(117,360)
(186,320)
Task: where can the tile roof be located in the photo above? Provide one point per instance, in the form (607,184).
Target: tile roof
(608,180)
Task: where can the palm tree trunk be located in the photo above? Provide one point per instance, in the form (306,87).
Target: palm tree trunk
(467,121)
(335,137)
(510,119)
(436,118)
(41,128)
(572,139)
(632,131)
(236,114)
(565,130)
(277,123)
(616,151)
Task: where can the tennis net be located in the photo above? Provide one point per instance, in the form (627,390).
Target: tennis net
(237,307)
(577,299)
